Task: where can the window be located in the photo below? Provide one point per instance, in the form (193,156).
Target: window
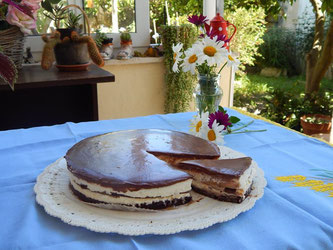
(131,14)
(109,16)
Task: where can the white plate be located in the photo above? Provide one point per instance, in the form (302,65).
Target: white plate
(53,193)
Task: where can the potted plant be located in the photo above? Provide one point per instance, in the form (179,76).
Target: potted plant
(316,124)
(126,49)
(73,22)
(316,116)
(71,51)
(105,44)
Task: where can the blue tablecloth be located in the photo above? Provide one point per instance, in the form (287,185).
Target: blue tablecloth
(287,217)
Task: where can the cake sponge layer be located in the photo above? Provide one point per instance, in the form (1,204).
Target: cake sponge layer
(174,189)
(105,201)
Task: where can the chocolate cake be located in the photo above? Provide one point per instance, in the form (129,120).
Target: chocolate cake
(225,179)
(133,168)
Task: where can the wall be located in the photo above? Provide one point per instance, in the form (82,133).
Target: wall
(295,11)
(139,88)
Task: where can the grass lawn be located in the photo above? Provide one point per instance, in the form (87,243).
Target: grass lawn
(280,99)
(262,83)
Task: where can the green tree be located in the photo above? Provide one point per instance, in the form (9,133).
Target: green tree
(320,56)
(251,27)
(272,8)
(175,8)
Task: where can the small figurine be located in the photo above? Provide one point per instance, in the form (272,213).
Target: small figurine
(29,59)
(126,49)
(107,48)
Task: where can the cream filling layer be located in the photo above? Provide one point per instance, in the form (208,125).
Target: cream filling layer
(122,199)
(218,184)
(174,189)
(217,191)
(246,178)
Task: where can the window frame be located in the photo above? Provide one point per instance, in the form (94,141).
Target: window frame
(140,38)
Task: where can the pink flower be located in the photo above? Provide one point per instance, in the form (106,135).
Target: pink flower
(21,20)
(211,33)
(197,20)
(221,119)
(23,8)
(33,4)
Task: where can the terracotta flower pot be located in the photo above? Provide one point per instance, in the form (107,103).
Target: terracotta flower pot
(311,128)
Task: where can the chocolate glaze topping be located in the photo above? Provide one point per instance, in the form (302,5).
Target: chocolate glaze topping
(229,168)
(124,160)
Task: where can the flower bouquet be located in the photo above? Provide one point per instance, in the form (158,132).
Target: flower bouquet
(213,126)
(16,19)
(206,58)
(22,14)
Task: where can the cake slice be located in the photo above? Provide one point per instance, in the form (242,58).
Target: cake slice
(224,179)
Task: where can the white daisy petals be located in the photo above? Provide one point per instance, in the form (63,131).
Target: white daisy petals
(176,56)
(198,122)
(232,61)
(192,59)
(212,52)
(213,134)
(206,51)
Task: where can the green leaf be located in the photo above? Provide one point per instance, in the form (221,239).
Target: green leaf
(234,119)
(221,109)
(47,6)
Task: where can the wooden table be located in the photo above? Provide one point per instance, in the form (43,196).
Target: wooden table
(51,97)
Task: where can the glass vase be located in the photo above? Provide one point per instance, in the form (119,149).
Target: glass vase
(208,94)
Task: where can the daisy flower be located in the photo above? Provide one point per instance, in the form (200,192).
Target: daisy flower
(212,51)
(232,61)
(176,56)
(213,134)
(192,59)
(198,122)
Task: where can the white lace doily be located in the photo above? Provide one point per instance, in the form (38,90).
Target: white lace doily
(53,193)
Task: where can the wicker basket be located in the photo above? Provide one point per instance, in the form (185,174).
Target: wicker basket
(12,43)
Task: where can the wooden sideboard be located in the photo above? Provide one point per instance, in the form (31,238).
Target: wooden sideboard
(51,97)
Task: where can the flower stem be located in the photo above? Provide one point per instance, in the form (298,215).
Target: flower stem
(247,131)
(233,131)
(222,67)
(245,125)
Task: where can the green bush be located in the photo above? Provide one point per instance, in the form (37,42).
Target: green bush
(286,48)
(178,9)
(282,107)
(179,85)
(287,108)
(279,50)
(282,99)
(251,27)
